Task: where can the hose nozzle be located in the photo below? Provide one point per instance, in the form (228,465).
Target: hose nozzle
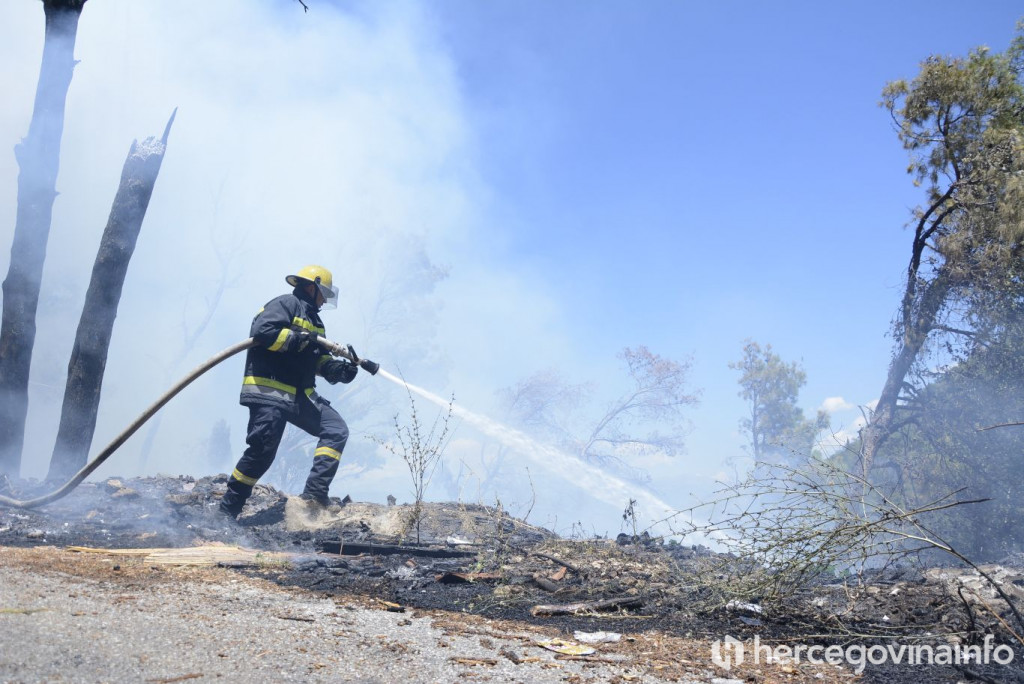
(346,352)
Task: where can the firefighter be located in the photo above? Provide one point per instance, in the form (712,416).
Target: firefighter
(279,385)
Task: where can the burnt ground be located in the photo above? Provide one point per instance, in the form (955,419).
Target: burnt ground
(477,561)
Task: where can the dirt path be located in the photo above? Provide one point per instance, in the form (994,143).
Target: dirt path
(80,617)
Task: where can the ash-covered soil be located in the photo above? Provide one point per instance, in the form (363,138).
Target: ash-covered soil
(477,560)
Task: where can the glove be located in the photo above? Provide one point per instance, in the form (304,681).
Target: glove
(353,357)
(302,340)
(339,371)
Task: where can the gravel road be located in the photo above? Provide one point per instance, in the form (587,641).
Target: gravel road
(67,617)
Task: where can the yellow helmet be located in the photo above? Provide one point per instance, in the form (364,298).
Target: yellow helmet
(319,276)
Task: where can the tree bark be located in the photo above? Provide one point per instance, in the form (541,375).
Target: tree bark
(92,341)
(38,157)
(918,324)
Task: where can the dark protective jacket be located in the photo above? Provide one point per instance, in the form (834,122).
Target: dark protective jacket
(276,369)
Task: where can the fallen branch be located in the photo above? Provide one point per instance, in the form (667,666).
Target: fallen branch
(557,560)
(590,659)
(391,607)
(993,427)
(787,526)
(575,608)
(544,583)
(474,661)
(967,608)
(341,547)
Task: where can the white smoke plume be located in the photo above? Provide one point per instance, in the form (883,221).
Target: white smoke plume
(335,137)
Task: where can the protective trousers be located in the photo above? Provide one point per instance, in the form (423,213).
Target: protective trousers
(266,426)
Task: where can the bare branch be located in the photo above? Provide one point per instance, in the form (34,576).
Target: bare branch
(1000,425)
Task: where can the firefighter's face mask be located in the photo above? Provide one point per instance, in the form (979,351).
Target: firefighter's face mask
(329,295)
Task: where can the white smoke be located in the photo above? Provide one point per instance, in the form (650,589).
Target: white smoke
(330,139)
(335,138)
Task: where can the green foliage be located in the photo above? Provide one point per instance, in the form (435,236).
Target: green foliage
(962,121)
(945,446)
(777,427)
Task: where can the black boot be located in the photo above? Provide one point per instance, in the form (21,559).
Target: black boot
(316,504)
(231,504)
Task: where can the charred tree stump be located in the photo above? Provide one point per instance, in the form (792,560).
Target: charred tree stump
(38,158)
(92,341)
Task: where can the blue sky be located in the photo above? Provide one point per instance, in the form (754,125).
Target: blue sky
(686,175)
(593,175)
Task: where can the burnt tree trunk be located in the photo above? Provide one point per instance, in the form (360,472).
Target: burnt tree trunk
(92,341)
(919,322)
(38,158)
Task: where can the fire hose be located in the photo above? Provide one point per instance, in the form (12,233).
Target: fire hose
(333,348)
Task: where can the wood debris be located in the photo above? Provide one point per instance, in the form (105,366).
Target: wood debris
(391,607)
(474,661)
(566,647)
(168,680)
(211,554)
(545,583)
(586,606)
(457,577)
(554,559)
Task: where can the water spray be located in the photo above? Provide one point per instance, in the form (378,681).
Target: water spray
(604,486)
